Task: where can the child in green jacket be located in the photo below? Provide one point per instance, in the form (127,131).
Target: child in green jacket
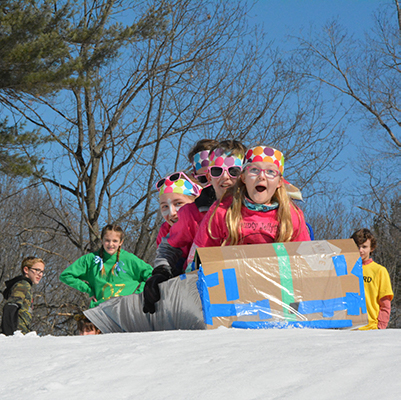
(109,272)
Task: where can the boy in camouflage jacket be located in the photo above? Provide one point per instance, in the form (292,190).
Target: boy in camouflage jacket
(17,311)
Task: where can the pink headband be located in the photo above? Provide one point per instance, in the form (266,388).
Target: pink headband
(265,154)
(220,158)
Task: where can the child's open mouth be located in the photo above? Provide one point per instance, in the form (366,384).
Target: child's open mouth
(260,189)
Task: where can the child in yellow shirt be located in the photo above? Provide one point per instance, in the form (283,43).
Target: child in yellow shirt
(378,291)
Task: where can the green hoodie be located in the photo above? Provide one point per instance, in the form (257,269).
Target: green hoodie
(93,275)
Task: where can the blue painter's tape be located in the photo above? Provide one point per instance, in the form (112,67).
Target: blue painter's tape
(310,307)
(265,311)
(326,307)
(321,324)
(223,310)
(246,309)
(183,276)
(340,265)
(204,296)
(353,303)
(230,283)
(358,271)
(261,308)
(212,280)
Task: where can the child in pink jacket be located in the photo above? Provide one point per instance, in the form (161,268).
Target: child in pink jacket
(221,166)
(257,210)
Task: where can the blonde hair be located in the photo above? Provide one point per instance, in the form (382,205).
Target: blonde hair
(29,262)
(112,228)
(233,218)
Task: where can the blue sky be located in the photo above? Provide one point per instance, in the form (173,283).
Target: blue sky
(283,18)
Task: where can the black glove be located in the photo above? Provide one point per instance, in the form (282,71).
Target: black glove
(151,291)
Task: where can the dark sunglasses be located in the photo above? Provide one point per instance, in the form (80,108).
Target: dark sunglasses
(216,172)
(175,177)
(201,179)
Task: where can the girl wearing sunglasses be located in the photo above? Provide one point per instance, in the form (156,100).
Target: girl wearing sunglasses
(225,168)
(257,210)
(178,243)
(198,156)
(175,191)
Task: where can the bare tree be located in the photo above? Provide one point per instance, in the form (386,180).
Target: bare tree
(29,230)
(388,251)
(364,75)
(191,70)
(205,73)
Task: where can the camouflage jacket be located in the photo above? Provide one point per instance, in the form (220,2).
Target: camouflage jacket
(18,293)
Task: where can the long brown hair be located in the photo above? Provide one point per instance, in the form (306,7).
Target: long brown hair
(113,228)
(234,215)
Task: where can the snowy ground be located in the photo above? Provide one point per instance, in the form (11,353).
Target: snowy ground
(218,364)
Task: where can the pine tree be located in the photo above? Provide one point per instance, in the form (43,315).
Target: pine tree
(43,51)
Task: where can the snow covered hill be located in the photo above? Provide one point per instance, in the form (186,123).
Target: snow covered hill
(218,364)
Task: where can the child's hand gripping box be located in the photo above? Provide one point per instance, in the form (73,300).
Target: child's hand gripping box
(317,284)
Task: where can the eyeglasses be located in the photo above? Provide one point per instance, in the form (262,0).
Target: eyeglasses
(216,172)
(175,177)
(38,271)
(269,173)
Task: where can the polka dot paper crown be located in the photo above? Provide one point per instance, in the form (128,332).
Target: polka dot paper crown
(265,154)
(201,161)
(220,158)
(178,182)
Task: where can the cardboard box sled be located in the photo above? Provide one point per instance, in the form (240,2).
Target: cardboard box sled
(317,284)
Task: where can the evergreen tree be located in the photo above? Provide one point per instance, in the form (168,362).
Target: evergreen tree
(32,60)
(43,51)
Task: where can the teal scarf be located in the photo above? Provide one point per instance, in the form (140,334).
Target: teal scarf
(250,205)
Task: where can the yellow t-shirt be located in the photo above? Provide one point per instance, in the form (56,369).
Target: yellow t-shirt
(377,285)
